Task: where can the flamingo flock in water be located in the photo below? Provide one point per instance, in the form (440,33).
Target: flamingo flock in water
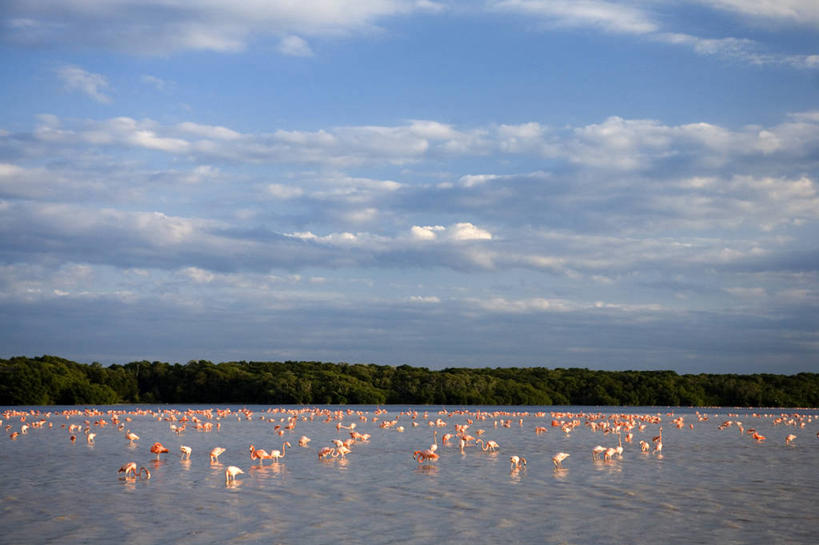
(468,427)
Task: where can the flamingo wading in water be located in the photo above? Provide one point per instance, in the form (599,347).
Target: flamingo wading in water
(230,474)
(558,458)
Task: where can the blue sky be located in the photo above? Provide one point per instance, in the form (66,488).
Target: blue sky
(612,185)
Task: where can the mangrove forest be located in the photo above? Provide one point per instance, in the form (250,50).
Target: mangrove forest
(50,380)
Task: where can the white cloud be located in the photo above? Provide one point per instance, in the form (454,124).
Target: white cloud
(458,232)
(425,299)
(208,131)
(609,16)
(92,85)
(164,26)
(467,231)
(427,232)
(200,276)
(158,83)
(798,12)
(284,192)
(294,47)
(637,18)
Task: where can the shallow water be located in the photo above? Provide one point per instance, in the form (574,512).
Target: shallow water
(707,486)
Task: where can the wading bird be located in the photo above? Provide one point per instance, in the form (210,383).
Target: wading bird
(558,458)
(230,474)
(215,453)
(516,462)
(129,469)
(158,448)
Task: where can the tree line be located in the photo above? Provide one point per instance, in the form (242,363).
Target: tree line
(50,380)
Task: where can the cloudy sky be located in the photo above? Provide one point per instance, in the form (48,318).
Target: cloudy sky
(568,183)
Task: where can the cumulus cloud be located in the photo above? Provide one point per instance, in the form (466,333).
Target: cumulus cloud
(625,144)
(427,232)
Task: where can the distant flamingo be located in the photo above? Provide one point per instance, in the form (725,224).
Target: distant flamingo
(215,453)
(90,438)
(304,441)
(490,445)
(558,458)
(423,455)
(131,437)
(597,451)
(186,452)
(516,462)
(275,454)
(157,448)
(129,469)
(325,451)
(789,439)
(230,474)
(259,454)
(644,446)
(658,441)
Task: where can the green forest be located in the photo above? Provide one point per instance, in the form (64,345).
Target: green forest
(50,380)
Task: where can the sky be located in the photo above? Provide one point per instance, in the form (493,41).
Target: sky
(566,183)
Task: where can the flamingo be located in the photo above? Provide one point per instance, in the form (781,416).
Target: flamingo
(597,451)
(342,451)
(325,451)
(423,455)
(516,462)
(258,454)
(129,469)
(186,452)
(644,446)
(131,437)
(558,458)
(789,439)
(490,445)
(157,448)
(230,474)
(90,438)
(658,441)
(304,441)
(144,470)
(215,453)
(275,454)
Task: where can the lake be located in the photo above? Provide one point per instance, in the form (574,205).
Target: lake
(708,484)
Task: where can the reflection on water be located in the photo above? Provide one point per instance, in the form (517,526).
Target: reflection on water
(709,485)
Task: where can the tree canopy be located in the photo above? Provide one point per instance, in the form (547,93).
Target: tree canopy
(50,380)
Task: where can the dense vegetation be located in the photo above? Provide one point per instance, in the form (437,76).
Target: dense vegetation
(49,380)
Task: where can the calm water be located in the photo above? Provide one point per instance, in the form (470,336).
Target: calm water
(708,486)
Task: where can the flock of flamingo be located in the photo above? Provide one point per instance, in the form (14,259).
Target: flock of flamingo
(462,428)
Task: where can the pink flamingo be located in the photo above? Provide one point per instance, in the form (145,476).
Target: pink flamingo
(158,448)
(215,453)
(558,458)
(230,474)
(516,462)
(129,469)
(275,454)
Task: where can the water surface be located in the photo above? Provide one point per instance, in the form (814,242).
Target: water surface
(706,486)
